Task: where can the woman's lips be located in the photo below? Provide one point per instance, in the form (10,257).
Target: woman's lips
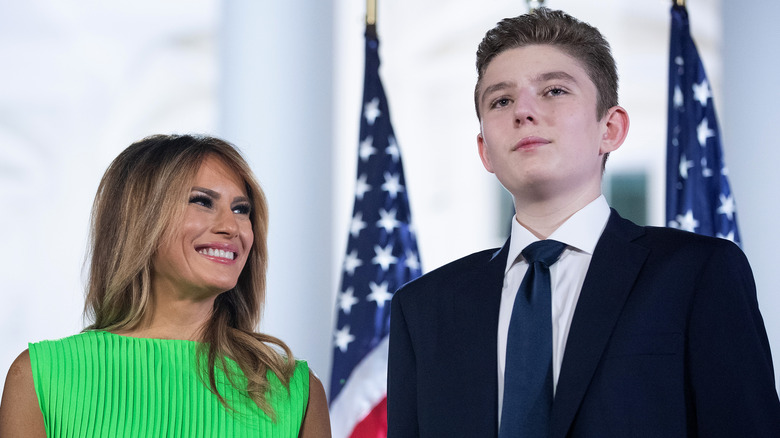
(219,252)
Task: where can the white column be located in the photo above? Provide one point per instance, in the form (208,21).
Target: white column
(276,105)
(751,110)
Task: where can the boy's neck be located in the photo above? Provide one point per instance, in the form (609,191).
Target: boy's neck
(543,216)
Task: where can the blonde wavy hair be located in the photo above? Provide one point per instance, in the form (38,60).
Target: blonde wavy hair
(141,198)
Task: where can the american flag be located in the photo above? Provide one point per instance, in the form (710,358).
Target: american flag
(698,196)
(381,256)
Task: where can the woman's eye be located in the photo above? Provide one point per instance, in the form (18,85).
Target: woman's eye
(242,209)
(201,200)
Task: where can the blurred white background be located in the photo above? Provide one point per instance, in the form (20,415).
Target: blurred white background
(82,79)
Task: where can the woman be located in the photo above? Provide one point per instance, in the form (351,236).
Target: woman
(176,287)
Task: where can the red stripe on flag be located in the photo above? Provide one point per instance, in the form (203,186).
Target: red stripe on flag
(375,423)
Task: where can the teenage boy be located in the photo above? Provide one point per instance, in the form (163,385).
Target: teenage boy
(642,331)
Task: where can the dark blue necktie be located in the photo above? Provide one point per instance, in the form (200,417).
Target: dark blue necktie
(528,382)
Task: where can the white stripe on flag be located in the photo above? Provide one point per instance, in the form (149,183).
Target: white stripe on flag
(366,387)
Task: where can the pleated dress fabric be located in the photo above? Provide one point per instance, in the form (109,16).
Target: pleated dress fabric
(98,384)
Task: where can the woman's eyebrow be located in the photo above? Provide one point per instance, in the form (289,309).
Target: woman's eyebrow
(216,195)
(209,192)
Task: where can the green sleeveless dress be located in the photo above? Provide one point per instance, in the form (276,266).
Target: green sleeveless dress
(98,384)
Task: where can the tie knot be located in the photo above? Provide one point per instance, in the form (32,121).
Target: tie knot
(544,251)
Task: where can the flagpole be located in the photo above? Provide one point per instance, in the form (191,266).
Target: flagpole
(371,12)
(534,4)
(371,18)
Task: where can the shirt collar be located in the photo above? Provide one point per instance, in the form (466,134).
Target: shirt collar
(581,231)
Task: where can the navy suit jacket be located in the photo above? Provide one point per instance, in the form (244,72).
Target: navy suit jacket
(666,341)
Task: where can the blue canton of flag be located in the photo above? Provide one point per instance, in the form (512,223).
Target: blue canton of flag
(381,256)
(698,196)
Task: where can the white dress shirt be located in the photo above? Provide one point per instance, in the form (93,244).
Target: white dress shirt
(580,233)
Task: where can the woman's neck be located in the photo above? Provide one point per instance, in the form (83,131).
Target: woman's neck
(172,317)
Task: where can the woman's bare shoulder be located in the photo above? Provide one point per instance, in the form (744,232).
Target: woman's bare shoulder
(20,414)
(316,421)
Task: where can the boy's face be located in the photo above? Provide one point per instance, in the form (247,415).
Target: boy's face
(539,130)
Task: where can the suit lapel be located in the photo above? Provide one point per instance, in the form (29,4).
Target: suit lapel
(477,301)
(613,269)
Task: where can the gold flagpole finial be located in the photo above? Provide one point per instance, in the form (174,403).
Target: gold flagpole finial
(534,4)
(371,12)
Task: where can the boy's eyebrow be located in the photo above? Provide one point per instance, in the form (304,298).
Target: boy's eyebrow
(555,75)
(497,87)
(542,77)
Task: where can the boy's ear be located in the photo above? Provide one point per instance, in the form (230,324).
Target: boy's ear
(615,129)
(483,155)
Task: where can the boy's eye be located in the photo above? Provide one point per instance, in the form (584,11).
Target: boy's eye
(501,102)
(556,91)
(201,200)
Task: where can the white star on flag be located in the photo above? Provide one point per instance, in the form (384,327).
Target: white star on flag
(388,220)
(678,98)
(701,92)
(347,300)
(384,257)
(729,236)
(687,222)
(351,262)
(361,187)
(727,206)
(412,262)
(684,166)
(392,149)
(372,111)
(705,171)
(703,132)
(343,338)
(356,225)
(379,294)
(367,148)
(392,184)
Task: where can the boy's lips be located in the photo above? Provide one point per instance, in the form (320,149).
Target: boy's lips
(529,142)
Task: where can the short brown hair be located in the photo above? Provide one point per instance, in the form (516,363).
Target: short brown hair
(579,40)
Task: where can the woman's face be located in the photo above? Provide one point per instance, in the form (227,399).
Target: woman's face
(210,246)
